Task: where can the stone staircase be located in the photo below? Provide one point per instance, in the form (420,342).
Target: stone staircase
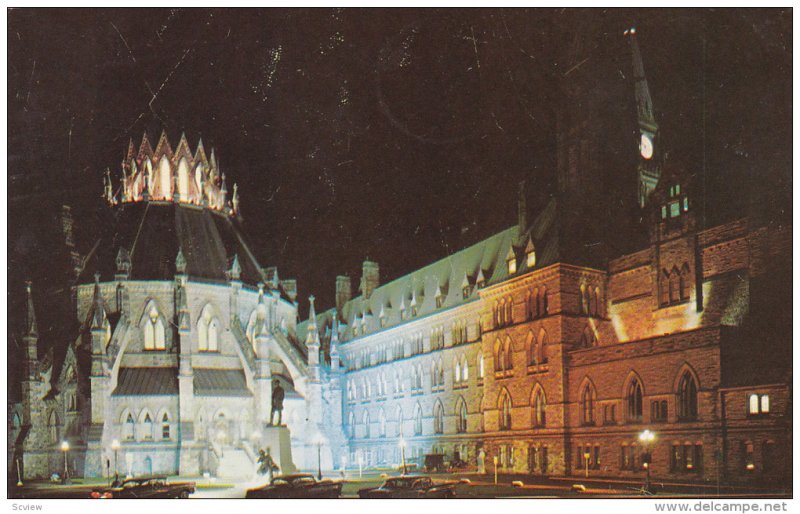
(235,463)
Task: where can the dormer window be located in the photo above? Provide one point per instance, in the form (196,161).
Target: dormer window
(512,265)
(439,301)
(465,292)
(530,254)
(154,332)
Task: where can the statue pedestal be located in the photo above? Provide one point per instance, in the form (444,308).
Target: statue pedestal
(279,442)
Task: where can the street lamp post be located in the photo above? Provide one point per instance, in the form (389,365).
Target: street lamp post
(647,437)
(586,457)
(65,449)
(319,460)
(115,447)
(403,453)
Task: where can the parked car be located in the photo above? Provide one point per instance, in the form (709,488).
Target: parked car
(301,485)
(146,487)
(410,486)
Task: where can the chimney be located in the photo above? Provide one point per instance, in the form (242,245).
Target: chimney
(522,220)
(370,278)
(344,291)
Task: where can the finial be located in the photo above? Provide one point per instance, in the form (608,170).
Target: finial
(180,262)
(236,270)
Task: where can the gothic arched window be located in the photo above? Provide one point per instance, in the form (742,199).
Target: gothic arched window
(685,281)
(588,397)
(365,421)
(417,420)
(509,362)
(461,416)
(634,400)
(687,397)
(542,347)
(538,417)
(438,419)
(398,431)
(53,427)
(505,411)
(165,427)
(128,429)
(154,330)
(147,427)
(382,423)
(208,331)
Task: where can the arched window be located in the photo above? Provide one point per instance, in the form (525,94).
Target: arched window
(685,281)
(588,397)
(509,362)
(198,181)
(480,367)
(440,372)
(183,180)
(664,287)
(165,177)
(634,400)
(535,304)
(509,310)
(154,336)
(461,416)
(674,285)
(351,425)
(208,330)
(147,427)
(417,420)
(464,369)
(530,348)
(543,309)
(504,406)
(598,308)
(165,428)
(438,419)
(365,421)
(398,431)
(499,357)
(542,347)
(129,428)
(456,371)
(687,397)
(53,428)
(538,417)
(382,423)
(584,300)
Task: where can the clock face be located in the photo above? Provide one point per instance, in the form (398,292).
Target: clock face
(646,147)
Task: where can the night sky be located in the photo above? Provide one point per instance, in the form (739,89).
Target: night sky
(396,135)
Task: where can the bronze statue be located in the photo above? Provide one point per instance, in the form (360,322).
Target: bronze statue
(277,401)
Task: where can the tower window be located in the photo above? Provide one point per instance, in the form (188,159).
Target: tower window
(663,212)
(674,209)
(758,404)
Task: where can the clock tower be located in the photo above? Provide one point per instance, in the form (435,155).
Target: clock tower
(649,169)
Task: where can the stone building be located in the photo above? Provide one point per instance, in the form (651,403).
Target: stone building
(180,335)
(549,346)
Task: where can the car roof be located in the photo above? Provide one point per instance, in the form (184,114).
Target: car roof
(295,475)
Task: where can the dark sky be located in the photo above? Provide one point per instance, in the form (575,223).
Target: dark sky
(399,135)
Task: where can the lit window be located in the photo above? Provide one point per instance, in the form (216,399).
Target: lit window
(480,367)
(663,212)
(461,423)
(674,209)
(531,259)
(505,412)
(685,204)
(512,266)
(148,427)
(538,418)
(758,404)
(154,337)
(165,427)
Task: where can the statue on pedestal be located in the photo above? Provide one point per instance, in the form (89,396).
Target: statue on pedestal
(277,402)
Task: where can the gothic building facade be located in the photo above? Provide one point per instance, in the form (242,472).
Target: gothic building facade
(538,346)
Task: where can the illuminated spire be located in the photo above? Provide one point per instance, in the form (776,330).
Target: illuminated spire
(644,102)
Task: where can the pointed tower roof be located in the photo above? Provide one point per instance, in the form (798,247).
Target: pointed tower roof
(312,336)
(31,329)
(200,154)
(163,147)
(180,262)
(644,103)
(130,154)
(183,150)
(235,270)
(145,150)
(98,311)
